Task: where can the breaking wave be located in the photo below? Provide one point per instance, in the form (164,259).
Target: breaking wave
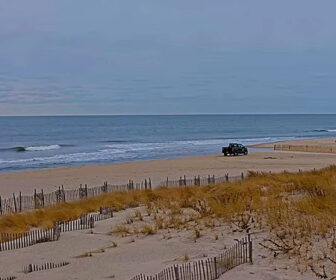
(35,148)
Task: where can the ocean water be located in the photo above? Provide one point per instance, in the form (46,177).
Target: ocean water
(45,142)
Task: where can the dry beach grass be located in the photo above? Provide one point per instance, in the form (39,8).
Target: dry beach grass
(297,211)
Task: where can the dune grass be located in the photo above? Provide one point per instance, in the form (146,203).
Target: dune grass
(306,199)
(295,208)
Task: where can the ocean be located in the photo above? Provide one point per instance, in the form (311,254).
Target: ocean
(46,142)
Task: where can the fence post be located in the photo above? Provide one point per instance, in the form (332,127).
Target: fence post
(56,231)
(15,208)
(250,248)
(185,181)
(63,192)
(242,175)
(91,222)
(177,277)
(20,202)
(0,206)
(215,264)
(35,198)
(42,195)
(167,182)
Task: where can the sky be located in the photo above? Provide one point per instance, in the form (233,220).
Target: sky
(61,57)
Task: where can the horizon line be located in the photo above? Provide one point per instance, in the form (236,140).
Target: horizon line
(200,114)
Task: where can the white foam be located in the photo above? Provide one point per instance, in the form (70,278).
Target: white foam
(130,151)
(42,148)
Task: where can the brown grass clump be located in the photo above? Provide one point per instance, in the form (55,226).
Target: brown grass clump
(122,230)
(138,215)
(197,233)
(90,253)
(148,230)
(185,257)
(85,255)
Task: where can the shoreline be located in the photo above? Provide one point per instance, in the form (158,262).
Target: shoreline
(265,159)
(159,169)
(264,146)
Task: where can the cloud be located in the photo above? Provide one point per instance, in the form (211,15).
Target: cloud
(182,56)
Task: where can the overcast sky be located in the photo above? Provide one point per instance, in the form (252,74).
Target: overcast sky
(166,57)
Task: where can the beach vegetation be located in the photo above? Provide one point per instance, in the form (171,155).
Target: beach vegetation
(148,229)
(297,210)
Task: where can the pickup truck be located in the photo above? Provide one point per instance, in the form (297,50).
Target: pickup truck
(234,149)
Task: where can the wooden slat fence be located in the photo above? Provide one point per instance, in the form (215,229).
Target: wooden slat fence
(207,269)
(20,203)
(34,267)
(12,241)
(200,181)
(8,278)
(84,222)
(103,214)
(305,148)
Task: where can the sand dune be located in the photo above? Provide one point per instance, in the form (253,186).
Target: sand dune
(137,254)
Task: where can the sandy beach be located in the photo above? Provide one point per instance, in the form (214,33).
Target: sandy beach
(159,170)
(319,142)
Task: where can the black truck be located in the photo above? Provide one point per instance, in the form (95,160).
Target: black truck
(234,149)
